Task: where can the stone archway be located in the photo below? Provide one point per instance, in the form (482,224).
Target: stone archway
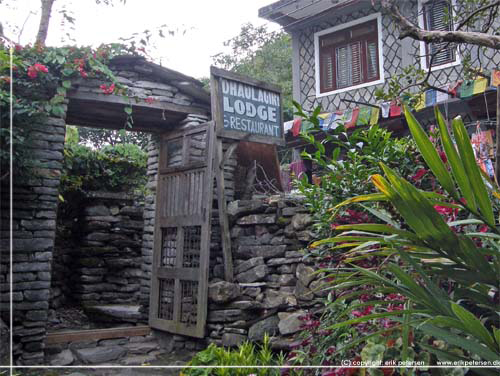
(162,100)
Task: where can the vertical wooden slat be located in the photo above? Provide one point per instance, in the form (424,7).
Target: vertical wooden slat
(223,221)
(205,234)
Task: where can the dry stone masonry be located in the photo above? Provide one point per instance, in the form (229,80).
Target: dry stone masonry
(102,264)
(273,286)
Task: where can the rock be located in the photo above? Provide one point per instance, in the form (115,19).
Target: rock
(99,354)
(248,264)
(305,274)
(287,280)
(264,251)
(233,339)
(274,299)
(64,358)
(141,347)
(269,325)
(300,221)
(290,322)
(253,275)
(227,315)
(137,360)
(222,292)
(239,208)
(113,313)
(302,292)
(257,219)
(319,288)
(98,210)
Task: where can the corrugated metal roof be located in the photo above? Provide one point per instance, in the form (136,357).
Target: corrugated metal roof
(288,13)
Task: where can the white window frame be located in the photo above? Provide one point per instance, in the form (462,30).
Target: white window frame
(423,52)
(378,17)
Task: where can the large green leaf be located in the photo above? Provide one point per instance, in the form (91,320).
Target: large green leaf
(472,170)
(458,340)
(457,167)
(429,152)
(420,215)
(473,325)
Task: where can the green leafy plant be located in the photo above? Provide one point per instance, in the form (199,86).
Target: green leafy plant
(246,355)
(345,162)
(447,272)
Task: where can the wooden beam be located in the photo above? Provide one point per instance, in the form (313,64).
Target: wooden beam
(117,99)
(96,334)
(223,220)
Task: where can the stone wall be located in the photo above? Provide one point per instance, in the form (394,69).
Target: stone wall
(99,261)
(274,284)
(35,199)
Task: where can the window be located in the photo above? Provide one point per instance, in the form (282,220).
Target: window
(437,15)
(348,56)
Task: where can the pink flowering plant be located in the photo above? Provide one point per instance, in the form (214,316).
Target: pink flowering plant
(41,77)
(411,273)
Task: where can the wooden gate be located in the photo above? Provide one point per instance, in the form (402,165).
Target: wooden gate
(179,285)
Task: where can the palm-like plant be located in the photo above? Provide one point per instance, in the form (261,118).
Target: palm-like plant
(450,279)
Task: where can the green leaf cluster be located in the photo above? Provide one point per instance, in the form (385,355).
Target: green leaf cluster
(243,359)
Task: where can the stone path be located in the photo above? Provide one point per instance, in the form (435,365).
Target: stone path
(179,358)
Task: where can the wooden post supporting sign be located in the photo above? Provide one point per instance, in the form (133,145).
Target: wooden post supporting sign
(243,109)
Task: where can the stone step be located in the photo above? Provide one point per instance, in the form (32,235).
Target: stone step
(113,313)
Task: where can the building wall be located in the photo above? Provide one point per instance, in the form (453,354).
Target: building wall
(397,55)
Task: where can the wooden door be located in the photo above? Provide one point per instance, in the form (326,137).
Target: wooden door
(179,285)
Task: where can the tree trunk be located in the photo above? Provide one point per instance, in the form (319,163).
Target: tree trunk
(44,22)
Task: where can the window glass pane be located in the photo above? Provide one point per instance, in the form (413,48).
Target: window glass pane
(372,60)
(327,71)
(343,67)
(438,17)
(357,71)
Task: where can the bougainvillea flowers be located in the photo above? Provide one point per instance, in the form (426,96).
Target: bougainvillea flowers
(35,68)
(107,90)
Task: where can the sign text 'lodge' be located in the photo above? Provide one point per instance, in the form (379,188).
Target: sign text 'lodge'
(246,109)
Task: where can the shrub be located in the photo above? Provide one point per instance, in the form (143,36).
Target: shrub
(443,272)
(246,355)
(346,171)
(120,167)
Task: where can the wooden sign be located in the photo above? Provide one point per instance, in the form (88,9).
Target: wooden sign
(246,109)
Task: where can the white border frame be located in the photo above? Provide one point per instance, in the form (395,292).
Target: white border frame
(378,17)
(423,58)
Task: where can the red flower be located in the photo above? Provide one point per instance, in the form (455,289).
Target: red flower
(419,174)
(41,68)
(443,156)
(79,62)
(483,228)
(443,210)
(32,72)
(149,100)
(19,47)
(35,68)
(107,90)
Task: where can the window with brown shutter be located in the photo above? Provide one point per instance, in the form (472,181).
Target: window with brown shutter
(438,16)
(349,57)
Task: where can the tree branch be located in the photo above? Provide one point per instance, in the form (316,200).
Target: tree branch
(408,29)
(479,10)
